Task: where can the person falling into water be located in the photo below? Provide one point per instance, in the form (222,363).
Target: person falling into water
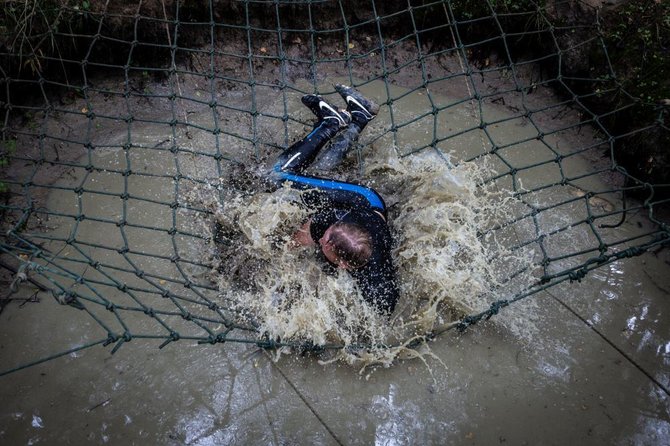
(348,221)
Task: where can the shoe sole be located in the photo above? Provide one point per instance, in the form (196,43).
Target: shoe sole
(368,113)
(364,111)
(335,113)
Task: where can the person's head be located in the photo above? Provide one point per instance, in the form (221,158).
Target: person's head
(347,245)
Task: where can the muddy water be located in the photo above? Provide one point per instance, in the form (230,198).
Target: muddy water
(436,212)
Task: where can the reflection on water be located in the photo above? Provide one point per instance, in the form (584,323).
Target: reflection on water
(397,422)
(37,422)
(614,276)
(664,351)
(634,302)
(196,426)
(653,421)
(555,371)
(402,422)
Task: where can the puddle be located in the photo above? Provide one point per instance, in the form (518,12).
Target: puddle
(145,236)
(151,203)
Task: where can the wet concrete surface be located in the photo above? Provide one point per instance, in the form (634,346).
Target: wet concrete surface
(566,384)
(582,363)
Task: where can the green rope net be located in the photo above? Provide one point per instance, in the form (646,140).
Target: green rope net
(83,191)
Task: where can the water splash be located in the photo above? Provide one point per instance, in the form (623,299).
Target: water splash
(447,268)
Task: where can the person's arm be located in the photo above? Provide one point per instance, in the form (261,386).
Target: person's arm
(379,286)
(303,237)
(338,194)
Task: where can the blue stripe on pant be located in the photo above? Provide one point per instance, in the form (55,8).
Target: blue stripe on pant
(333,192)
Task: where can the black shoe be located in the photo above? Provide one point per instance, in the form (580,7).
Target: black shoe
(362,109)
(323,110)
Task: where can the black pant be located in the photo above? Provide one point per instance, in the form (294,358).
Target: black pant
(325,192)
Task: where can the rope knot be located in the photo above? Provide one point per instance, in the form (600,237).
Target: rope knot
(64,297)
(466,322)
(632,252)
(267,343)
(111,338)
(19,278)
(310,347)
(22,275)
(495,308)
(577,276)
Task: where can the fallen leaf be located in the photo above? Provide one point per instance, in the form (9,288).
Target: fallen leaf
(264,50)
